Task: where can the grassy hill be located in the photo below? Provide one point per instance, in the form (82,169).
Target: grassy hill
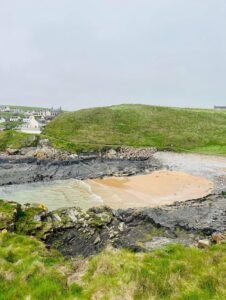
(174,129)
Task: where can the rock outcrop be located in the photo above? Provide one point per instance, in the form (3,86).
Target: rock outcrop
(130,153)
(40,165)
(76,232)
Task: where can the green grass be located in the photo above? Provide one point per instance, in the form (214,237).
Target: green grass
(174,272)
(16,140)
(7,214)
(175,129)
(29,271)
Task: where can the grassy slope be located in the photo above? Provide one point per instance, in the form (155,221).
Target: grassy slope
(29,271)
(16,140)
(140,125)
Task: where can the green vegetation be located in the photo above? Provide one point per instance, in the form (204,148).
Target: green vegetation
(29,271)
(26,223)
(173,129)
(174,272)
(16,140)
(7,214)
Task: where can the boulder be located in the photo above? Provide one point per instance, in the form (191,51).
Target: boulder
(10,151)
(218,237)
(43,142)
(111,154)
(202,244)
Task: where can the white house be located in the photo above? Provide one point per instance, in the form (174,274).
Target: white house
(31,125)
(14,119)
(5,108)
(2,120)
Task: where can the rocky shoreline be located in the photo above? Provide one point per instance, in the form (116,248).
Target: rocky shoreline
(76,232)
(45,164)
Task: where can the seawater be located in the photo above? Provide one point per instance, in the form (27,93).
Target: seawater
(55,194)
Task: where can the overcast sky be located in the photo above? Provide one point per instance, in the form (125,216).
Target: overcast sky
(82,53)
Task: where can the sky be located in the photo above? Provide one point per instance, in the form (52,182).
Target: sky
(85,53)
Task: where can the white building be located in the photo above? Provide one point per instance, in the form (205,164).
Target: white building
(5,108)
(14,119)
(2,120)
(31,126)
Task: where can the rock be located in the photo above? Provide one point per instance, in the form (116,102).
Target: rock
(29,153)
(72,215)
(111,154)
(97,240)
(57,217)
(203,244)
(73,156)
(112,234)
(218,237)
(10,151)
(157,242)
(121,226)
(133,153)
(43,142)
(45,164)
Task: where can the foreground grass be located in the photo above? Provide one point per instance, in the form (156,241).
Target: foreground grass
(29,271)
(172,273)
(175,129)
(16,140)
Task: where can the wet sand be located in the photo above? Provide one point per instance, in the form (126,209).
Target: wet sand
(152,190)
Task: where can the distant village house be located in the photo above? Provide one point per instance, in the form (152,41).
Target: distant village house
(31,126)
(34,120)
(5,109)
(14,119)
(2,120)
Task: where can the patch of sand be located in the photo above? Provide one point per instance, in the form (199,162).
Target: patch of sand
(152,190)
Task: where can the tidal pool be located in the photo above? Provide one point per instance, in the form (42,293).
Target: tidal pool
(55,194)
(151,190)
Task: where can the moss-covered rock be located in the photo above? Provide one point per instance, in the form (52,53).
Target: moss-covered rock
(29,219)
(8,214)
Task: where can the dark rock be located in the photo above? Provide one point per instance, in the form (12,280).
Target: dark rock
(76,232)
(142,229)
(40,167)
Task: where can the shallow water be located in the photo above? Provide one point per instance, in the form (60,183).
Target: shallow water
(155,189)
(56,194)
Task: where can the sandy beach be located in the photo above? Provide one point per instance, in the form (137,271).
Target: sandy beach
(151,190)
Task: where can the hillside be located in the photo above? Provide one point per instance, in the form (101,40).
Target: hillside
(176,129)
(16,140)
